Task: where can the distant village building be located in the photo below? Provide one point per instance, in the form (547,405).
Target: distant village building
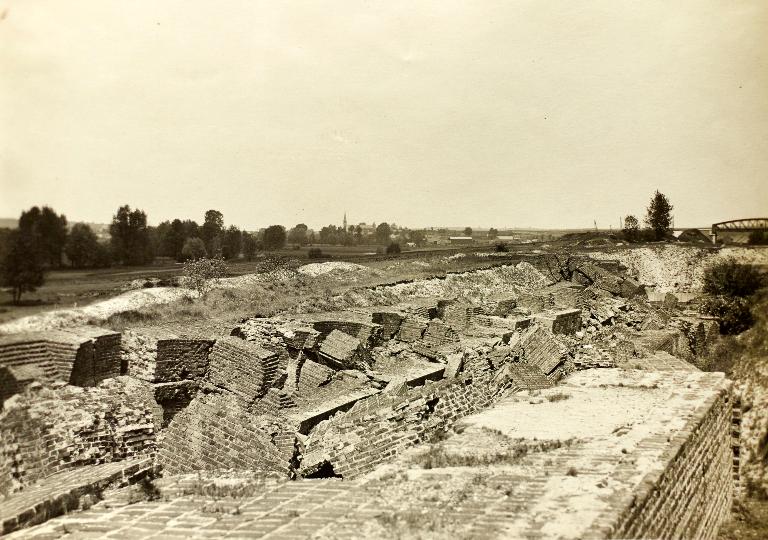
(460,240)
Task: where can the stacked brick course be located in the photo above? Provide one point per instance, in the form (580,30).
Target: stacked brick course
(242,367)
(79,356)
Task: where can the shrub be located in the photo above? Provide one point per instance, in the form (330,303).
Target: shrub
(501,247)
(393,248)
(315,253)
(729,278)
(733,313)
(201,273)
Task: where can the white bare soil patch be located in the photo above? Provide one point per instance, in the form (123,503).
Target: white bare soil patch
(99,311)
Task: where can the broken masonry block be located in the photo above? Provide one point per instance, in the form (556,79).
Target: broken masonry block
(411,329)
(313,375)
(566,322)
(390,322)
(242,367)
(343,351)
(631,287)
(397,386)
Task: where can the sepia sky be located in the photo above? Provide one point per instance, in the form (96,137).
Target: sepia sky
(510,113)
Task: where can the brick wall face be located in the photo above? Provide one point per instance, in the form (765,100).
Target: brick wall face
(355,444)
(693,495)
(216,432)
(53,431)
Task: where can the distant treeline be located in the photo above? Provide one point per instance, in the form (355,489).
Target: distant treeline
(43,240)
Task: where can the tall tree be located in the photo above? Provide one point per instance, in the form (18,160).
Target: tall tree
(383,233)
(274,237)
(173,241)
(213,227)
(232,243)
(130,237)
(82,248)
(631,228)
(659,215)
(22,266)
(250,246)
(467,231)
(48,230)
(298,235)
(493,233)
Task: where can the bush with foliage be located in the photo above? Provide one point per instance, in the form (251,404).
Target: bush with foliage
(730,287)
(733,313)
(393,248)
(82,248)
(202,273)
(758,238)
(631,230)
(501,247)
(274,237)
(315,253)
(730,278)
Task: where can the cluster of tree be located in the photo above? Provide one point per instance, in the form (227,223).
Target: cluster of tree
(658,221)
(384,234)
(40,243)
(185,240)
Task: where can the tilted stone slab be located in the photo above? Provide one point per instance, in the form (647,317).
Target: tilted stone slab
(541,349)
(309,419)
(343,351)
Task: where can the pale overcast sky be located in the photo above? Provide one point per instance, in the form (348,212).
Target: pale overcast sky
(481,113)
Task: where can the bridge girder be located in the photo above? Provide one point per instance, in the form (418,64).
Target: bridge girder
(748,224)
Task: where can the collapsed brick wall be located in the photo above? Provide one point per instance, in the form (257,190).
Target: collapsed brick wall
(355,444)
(692,496)
(80,356)
(217,432)
(175,366)
(49,431)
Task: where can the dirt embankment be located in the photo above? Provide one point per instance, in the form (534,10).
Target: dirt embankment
(671,268)
(477,283)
